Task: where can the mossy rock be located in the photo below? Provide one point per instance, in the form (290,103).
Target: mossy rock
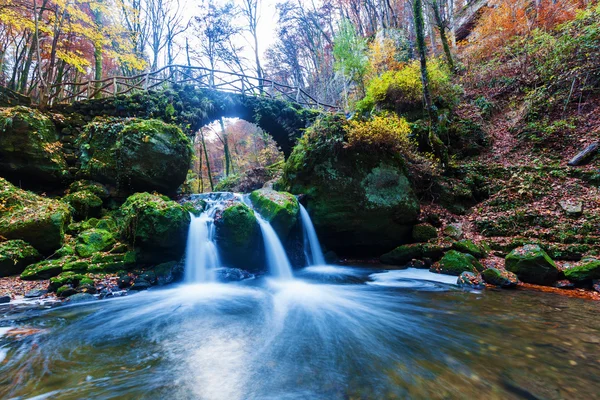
(454,231)
(84,203)
(108,224)
(467,246)
(424,232)
(403,254)
(455,263)
(39,221)
(155,225)
(532,265)
(66,291)
(135,155)
(44,269)
(474,261)
(281,209)
(92,241)
(586,272)
(66,278)
(360,201)
(15,255)
(30,151)
(503,279)
(89,186)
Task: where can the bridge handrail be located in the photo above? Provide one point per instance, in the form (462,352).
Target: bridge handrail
(74,91)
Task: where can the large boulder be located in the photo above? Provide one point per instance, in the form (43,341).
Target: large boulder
(15,255)
(238,237)
(30,153)
(501,278)
(135,155)
(39,221)
(532,265)
(156,225)
(361,201)
(281,209)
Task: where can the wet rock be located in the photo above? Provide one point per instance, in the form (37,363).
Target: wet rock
(168,272)
(4,299)
(454,263)
(140,284)
(232,274)
(238,236)
(66,291)
(281,209)
(87,288)
(124,281)
(81,298)
(455,231)
(596,285)
(402,255)
(419,264)
(470,280)
(532,265)
(501,278)
(564,284)
(331,257)
(424,232)
(35,293)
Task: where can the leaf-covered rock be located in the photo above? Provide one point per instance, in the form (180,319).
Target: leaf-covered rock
(467,246)
(504,279)
(39,221)
(455,263)
(15,255)
(469,280)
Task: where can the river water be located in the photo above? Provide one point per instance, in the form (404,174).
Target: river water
(330,333)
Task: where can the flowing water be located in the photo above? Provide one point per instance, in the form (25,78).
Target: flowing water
(277,260)
(202,256)
(331,333)
(312,247)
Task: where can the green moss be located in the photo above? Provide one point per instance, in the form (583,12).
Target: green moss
(108,224)
(585,272)
(77,266)
(39,221)
(44,269)
(455,263)
(94,187)
(237,227)
(135,155)
(92,241)
(15,255)
(403,254)
(84,203)
(474,261)
(500,278)
(467,246)
(532,265)
(66,278)
(424,232)
(29,148)
(279,208)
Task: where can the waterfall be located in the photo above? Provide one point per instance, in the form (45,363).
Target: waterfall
(312,248)
(277,261)
(202,257)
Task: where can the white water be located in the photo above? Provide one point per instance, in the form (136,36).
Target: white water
(277,261)
(312,247)
(202,256)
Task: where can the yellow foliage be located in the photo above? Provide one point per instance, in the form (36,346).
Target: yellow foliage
(382,57)
(387,132)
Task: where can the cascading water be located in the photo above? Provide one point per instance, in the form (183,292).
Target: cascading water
(202,256)
(312,248)
(277,261)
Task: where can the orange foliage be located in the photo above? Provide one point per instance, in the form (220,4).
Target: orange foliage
(505,19)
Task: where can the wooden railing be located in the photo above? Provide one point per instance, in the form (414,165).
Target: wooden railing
(223,81)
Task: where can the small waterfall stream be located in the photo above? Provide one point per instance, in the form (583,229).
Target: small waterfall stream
(202,256)
(277,260)
(312,247)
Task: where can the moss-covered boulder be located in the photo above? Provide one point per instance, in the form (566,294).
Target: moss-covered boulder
(405,253)
(468,246)
(586,272)
(424,232)
(281,209)
(532,265)
(474,262)
(501,278)
(135,155)
(155,225)
(360,200)
(238,237)
(15,255)
(45,269)
(39,221)
(85,204)
(454,263)
(92,241)
(30,153)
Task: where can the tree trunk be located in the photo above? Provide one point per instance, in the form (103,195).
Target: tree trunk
(442,28)
(210,180)
(225,147)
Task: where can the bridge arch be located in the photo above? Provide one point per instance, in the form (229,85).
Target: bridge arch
(191,108)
